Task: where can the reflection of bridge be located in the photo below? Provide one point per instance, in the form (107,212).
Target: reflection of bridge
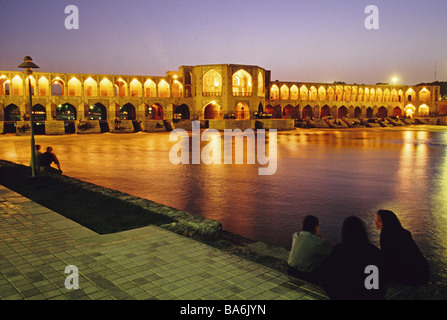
(67,102)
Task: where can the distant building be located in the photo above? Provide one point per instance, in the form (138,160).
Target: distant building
(204,92)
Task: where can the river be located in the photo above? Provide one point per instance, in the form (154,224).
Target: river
(328,173)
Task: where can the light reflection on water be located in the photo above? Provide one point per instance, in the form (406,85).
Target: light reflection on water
(328,173)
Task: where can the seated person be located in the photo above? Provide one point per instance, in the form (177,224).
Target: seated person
(344,273)
(309,248)
(47,159)
(404,262)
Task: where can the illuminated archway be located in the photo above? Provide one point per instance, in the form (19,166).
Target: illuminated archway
(106,88)
(43,86)
(4,86)
(150,89)
(242,83)
(394,96)
(135,88)
(330,94)
(289,112)
(90,88)
(379,95)
(366,95)
(242,111)
(294,92)
(182,112)
(212,83)
(164,90)
(338,93)
(97,112)
(66,111)
(347,94)
(372,95)
(121,88)
(307,112)
(342,112)
(424,111)
(57,87)
(360,94)
(177,89)
(354,94)
(127,112)
(304,93)
(269,110)
(154,112)
(284,92)
(274,92)
(382,113)
(39,112)
(322,94)
(424,95)
(261,84)
(325,111)
(313,93)
(17,86)
(74,87)
(410,95)
(397,112)
(212,111)
(410,110)
(387,95)
(12,113)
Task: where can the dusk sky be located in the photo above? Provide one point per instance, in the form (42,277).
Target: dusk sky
(313,41)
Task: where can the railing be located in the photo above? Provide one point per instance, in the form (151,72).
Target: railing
(212,94)
(242,94)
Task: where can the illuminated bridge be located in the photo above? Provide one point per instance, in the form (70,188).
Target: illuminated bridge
(221,96)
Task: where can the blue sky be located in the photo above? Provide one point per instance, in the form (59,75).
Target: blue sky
(319,40)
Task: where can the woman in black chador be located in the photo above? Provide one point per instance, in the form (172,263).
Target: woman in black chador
(404,262)
(345,270)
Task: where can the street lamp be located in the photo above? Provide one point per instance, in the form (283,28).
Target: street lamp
(28,65)
(394,81)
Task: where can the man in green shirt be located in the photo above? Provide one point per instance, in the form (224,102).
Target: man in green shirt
(309,248)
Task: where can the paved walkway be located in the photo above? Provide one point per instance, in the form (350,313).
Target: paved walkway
(37,244)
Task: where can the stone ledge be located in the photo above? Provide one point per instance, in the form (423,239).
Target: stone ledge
(185,223)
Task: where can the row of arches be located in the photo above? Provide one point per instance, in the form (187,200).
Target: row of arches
(343,112)
(339,93)
(91,88)
(97,111)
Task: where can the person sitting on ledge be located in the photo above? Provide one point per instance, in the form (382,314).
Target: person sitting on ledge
(309,248)
(404,262)
(346,272)
(47,159)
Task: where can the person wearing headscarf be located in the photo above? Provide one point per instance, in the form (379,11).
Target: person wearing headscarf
(347,269)
(404,262)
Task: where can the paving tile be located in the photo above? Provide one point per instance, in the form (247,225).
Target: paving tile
(36,244)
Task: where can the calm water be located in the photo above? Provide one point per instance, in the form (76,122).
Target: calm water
(327,173)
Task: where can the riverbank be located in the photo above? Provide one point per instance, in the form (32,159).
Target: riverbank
(107,211)
(126,212)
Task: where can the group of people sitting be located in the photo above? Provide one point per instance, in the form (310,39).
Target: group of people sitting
(342,270)
(44,160)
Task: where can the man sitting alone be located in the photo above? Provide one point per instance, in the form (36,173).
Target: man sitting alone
(47,159)
(309,248)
